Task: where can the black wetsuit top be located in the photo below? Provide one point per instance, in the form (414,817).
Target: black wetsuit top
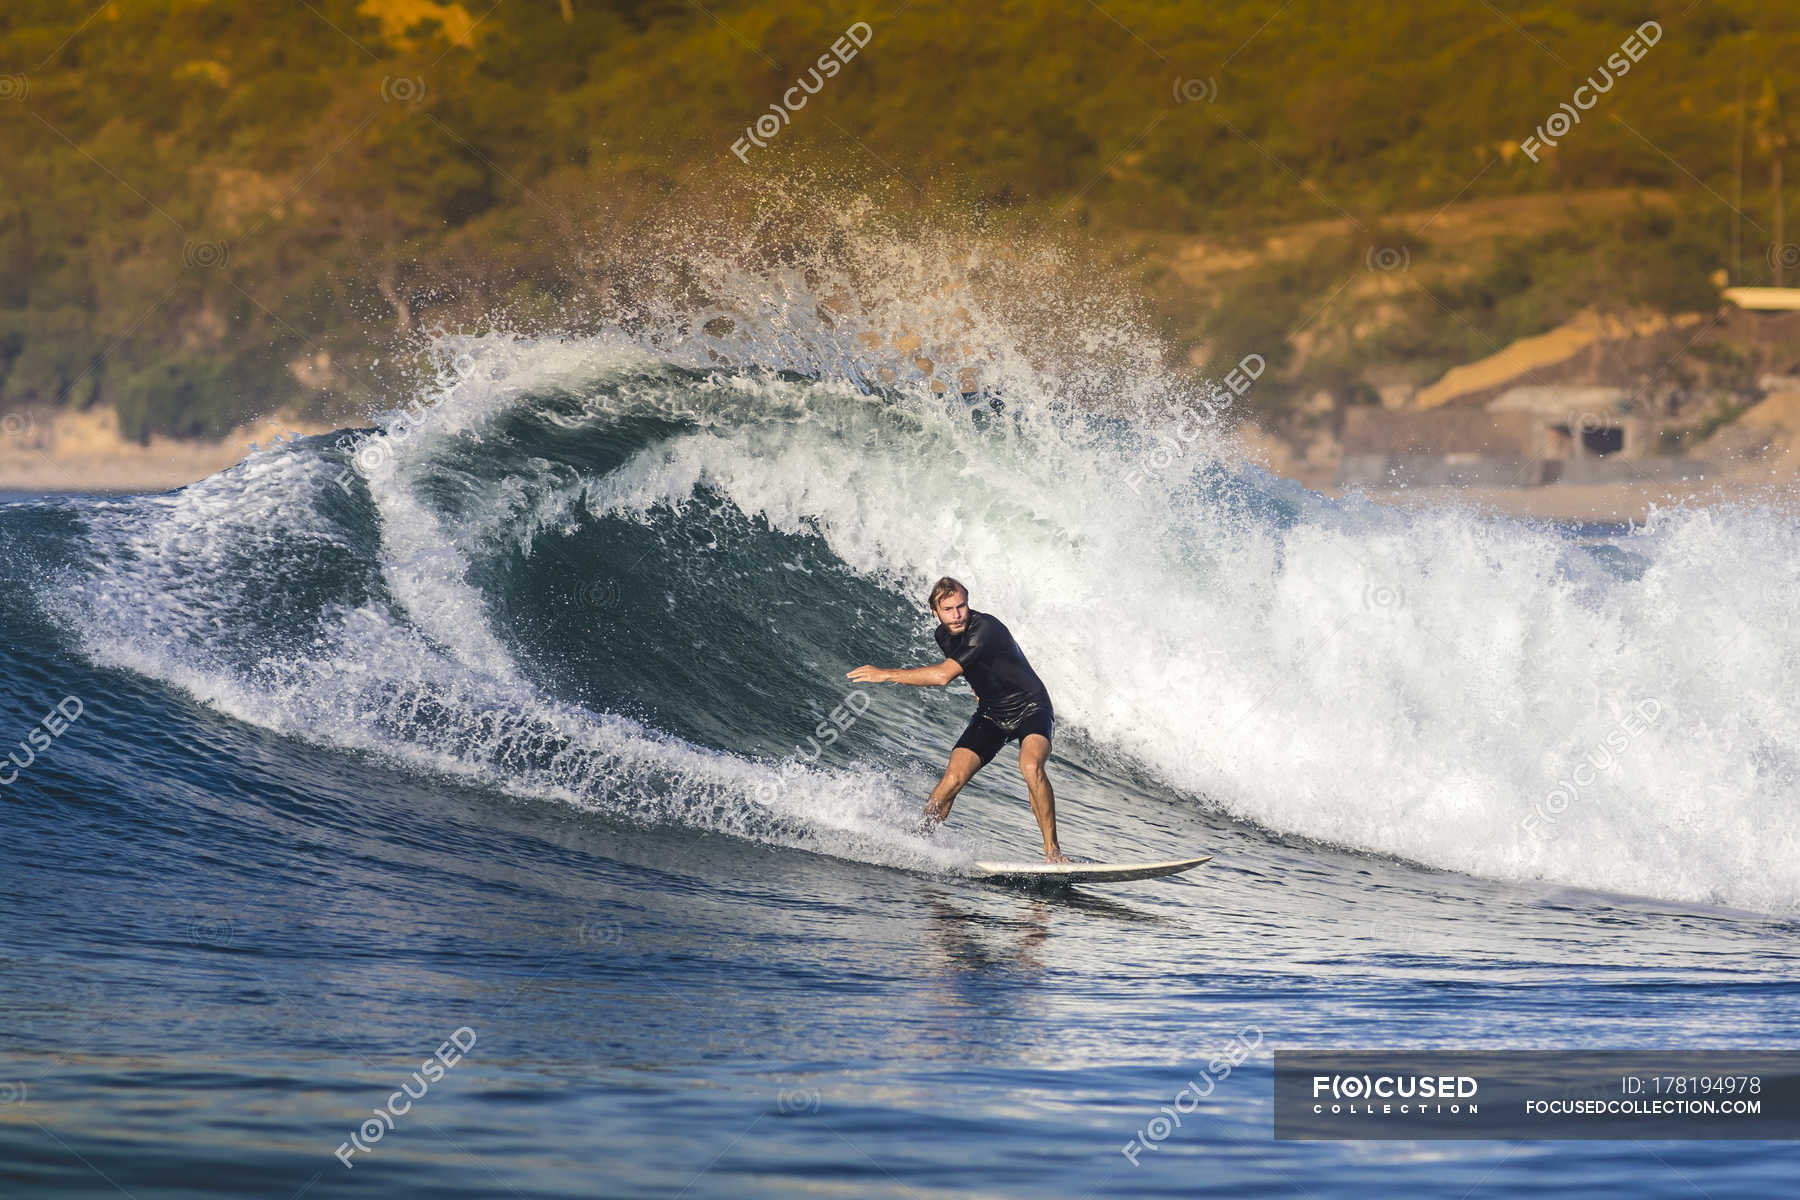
(1008,690)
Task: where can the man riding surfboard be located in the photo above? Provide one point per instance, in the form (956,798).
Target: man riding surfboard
(1012,705)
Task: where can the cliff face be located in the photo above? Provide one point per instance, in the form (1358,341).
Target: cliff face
(201,194)
(1546,355)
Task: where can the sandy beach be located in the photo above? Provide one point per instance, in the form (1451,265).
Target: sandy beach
(83,452)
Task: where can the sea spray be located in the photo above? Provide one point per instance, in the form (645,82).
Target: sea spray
(1211,626)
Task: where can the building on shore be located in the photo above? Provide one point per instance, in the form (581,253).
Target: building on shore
(1524,437)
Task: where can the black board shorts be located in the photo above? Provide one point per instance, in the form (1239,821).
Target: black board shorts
(985,736)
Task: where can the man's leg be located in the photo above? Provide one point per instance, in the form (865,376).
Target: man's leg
(1033,750)
(964,762)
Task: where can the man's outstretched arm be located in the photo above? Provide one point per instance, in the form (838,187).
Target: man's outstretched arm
(936,676)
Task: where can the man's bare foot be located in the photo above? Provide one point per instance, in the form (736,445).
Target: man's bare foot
(1055,856)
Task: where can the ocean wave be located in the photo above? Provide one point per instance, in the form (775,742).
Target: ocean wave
(591,568)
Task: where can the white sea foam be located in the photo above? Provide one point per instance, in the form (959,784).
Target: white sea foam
(422,682)
(1467,692)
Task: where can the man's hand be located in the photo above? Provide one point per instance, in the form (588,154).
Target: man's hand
(868,674)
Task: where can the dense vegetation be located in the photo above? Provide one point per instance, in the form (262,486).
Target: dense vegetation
(213,209)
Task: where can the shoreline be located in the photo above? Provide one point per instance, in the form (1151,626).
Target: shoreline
(82,454)
(24,476)
(1597,503)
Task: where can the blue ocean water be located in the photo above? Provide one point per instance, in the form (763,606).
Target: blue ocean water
(500,737)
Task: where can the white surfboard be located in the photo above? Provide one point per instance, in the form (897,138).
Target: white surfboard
(1083,872)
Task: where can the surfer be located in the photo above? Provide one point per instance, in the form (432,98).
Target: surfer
(1012,705)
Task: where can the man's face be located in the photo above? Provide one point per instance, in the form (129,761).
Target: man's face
(953,611)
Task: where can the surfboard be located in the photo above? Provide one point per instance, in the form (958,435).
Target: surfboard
(1082,872)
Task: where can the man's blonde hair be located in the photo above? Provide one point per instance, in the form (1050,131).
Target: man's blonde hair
(945,587)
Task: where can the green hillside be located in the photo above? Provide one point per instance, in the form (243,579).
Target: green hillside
(214,209)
